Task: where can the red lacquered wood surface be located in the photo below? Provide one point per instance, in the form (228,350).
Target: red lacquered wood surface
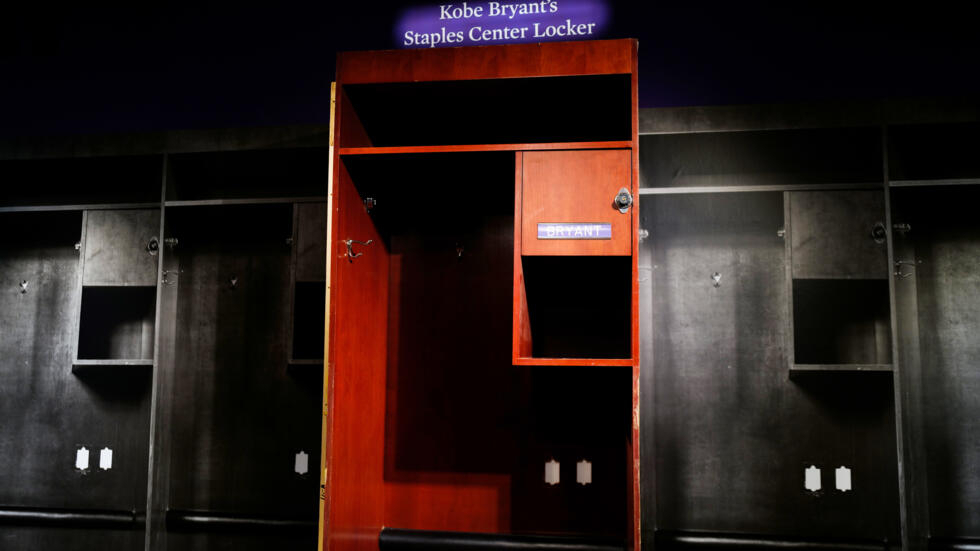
(460,503)
(634,509)
(366,487)
(352,132)
(521,346)
(591,57)
(483,147)
(448,447)
(575,187)
(359,297)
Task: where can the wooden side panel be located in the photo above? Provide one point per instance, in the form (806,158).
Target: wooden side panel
(357,377)
(351,133)
(522,324)
(635,513)
(575,187)
(511,61)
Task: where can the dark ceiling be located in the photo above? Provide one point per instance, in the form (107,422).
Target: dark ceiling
(119,68)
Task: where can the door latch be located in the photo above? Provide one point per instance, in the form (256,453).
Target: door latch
(623,200)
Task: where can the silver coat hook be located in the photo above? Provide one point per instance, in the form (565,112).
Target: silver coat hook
(23,286)
(898,268)
(716,279)
(350,251)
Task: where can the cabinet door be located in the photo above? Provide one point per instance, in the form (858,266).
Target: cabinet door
(568,203)
(116,247)
(833,234)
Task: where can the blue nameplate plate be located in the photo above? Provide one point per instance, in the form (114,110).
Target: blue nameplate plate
(574,231)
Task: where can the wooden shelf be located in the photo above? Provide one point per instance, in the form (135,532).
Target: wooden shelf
(79,206)
(314,361)
(935,182)
(483,147)
(304,367)
(114,362)
(585,362)
(84,366)
(246,201)
(841,368)
(746,188)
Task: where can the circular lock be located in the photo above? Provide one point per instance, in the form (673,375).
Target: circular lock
(153,246)
(623,200)
(878,233)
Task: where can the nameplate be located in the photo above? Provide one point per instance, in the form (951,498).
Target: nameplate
(549,230)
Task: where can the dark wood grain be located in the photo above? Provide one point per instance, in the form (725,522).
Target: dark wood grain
(944,247)
(30,538)
(762,157)
(733,433)
(116,247)
(250,418)
(40,434)
(310,243)
(831,234)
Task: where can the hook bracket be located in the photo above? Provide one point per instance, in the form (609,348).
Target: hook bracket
(351,255)
(898,267)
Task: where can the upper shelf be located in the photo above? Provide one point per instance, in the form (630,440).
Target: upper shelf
(841,368)
(81,182)
(547,59)
(227,177)
(590,108)
(622,144)
(939,153)
(815,158)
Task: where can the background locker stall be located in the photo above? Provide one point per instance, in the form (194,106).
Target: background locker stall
(809,298)
(163,299)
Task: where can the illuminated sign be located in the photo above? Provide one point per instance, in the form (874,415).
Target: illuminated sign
(549,230)
(484,23)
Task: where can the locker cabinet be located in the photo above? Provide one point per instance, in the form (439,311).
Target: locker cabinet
(470,353)
(805,304)
(161,346)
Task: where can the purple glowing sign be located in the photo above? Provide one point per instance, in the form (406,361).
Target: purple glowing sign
(573,230)
(484,23)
